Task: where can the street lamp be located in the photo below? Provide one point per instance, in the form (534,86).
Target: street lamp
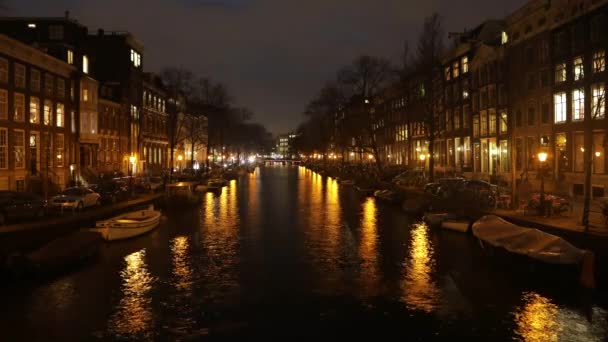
(132,160)
(179,164)
(542,158)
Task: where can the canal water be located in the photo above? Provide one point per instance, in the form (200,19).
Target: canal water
(285,251)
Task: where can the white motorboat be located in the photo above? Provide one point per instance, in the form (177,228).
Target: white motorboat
(456,225)
(129,225)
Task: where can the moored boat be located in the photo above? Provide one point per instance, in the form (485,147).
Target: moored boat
(182,192)
(534,244)
(346,182)
(435,219)
(57,255)
(458,225)
(387,196)
(129,225)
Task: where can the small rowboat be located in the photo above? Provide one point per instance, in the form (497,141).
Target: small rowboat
(129,225)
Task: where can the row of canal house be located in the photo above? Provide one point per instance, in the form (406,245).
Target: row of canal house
(509,89)
(76,105)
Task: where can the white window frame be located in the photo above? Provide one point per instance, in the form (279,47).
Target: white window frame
(34,108)
(599,61)
(3,70)
(70,56)
(560,107)
(598,91)
(15,146)
(19,110)
(560,73)
(47,117)
(3,104)
(59,114)
(19,70)
(578,68)
(578,104)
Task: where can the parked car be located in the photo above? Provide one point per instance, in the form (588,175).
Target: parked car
(76,198)
(156,183)
(111,191)
(18,205)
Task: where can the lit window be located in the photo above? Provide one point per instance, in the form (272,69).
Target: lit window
(599,61)
(559,102)
(70,57)
(135,58)
(578,104)
(504,38)
(598,104)
(504,122)
(455,69)
(85,64)
(31,25)
(492,122)
(448,73)
(560,73)
(465,64)
(59,147)
(47,112)
(34,110)
(578,69)
(59,116)
(85,94)
(19,107)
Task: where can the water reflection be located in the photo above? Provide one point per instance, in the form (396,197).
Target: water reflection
(539,319)
(368,246)
(182,272)
(420,290)
(134,316)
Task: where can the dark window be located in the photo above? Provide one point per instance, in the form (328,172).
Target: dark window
(518,118)
(531,116)
(530,55)
(578,189)
(543,52)
(502,100)
(544,78)
(519,152)
(560,42)
(545,112)
(531,81)
(597,28)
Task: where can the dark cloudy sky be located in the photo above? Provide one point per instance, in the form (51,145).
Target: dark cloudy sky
(272,54)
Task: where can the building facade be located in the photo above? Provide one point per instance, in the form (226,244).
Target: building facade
(36,142)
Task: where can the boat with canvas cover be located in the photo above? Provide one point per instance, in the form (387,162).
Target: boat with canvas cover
(129,225)
(534,244)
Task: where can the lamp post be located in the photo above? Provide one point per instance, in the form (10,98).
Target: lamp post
(132,160)
(542,158)
(179,160)
(422,161)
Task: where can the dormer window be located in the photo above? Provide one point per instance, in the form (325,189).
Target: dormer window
(31,25)
(135,58)
(85,64)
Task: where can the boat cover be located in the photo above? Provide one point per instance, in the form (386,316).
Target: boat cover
(526,241)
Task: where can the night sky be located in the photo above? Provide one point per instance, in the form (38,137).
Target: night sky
(272,54)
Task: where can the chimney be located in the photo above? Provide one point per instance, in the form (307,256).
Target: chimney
(100,32)
(67,14)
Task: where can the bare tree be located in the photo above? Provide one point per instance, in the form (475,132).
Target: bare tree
(179,83)
(428,65)
(366,77)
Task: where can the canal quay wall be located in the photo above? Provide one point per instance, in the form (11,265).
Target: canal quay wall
(28,236)
(415,201)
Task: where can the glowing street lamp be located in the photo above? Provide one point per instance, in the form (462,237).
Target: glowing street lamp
(542,158)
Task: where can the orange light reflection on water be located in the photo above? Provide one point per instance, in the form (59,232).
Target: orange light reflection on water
(134,315)
(420,290)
